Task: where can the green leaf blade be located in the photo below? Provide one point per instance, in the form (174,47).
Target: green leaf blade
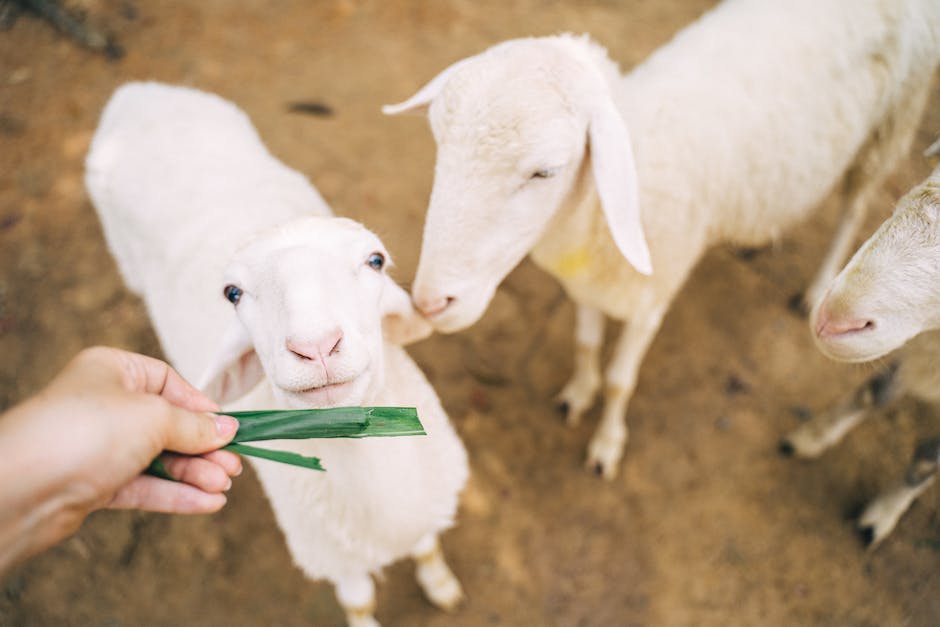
(284,457)
(336,422)
(305,424)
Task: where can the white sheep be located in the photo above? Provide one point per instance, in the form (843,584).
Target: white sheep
(194,207)
(737,128)
(888,296)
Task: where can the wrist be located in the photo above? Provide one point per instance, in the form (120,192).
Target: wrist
(38,507)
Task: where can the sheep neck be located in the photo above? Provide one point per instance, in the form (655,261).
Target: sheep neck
(564,248)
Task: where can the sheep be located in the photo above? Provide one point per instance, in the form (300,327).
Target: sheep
(616,185)
(194,208)
(887,297)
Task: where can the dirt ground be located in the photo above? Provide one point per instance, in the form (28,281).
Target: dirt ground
(706,524)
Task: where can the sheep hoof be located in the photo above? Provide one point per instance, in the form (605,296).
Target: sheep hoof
(361,618)
(437,580)
(604,454)
(804,442)
(881,515)
(576,397)
(867,535)
(600,468)
(449,598)
(445,593)
(570,414)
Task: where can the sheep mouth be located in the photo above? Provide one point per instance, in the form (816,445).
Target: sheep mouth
(325,386)
(857,346)
(326,394)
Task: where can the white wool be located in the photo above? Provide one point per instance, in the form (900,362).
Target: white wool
(189,198)
(180,179)
(737,128)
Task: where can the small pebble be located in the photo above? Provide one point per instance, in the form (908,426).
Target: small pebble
(19,75)
(734,386)
(311,108)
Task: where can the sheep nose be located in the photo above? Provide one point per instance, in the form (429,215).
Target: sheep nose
(828,325)
(325,346)
(431,307)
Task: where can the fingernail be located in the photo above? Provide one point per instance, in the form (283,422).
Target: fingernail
(226,425)
(228,485)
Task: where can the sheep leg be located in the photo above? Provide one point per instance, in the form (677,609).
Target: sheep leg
(578,394)
(440,585)
(357,596)
(882,514)
(824,431)
(606,446)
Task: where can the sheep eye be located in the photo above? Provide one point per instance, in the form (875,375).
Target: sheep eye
(233,293)
(376,261)
(542,174)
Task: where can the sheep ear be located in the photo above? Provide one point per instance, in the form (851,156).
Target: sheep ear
(401,322)
(617,185)
(420,102)
(236,369)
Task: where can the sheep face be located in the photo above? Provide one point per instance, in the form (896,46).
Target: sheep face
(311,298)
(888,292)
(501,173)
(513,127)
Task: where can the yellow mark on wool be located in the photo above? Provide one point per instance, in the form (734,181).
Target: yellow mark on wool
(573,262)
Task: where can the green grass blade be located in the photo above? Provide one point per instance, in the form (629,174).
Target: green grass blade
(285,457)
(337,422)
(304,424)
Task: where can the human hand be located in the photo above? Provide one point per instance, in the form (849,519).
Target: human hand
(82,442)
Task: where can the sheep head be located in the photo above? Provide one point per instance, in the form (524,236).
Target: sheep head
(890,290)
(514,128)
(313,305)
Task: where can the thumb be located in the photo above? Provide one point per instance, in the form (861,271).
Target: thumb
(195,433)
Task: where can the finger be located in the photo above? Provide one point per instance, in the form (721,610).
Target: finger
(146,374)
(197,472)
(191,433)
(231,462)
(168,497)
(180,392)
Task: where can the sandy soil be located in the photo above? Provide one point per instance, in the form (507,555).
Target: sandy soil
(706,524)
